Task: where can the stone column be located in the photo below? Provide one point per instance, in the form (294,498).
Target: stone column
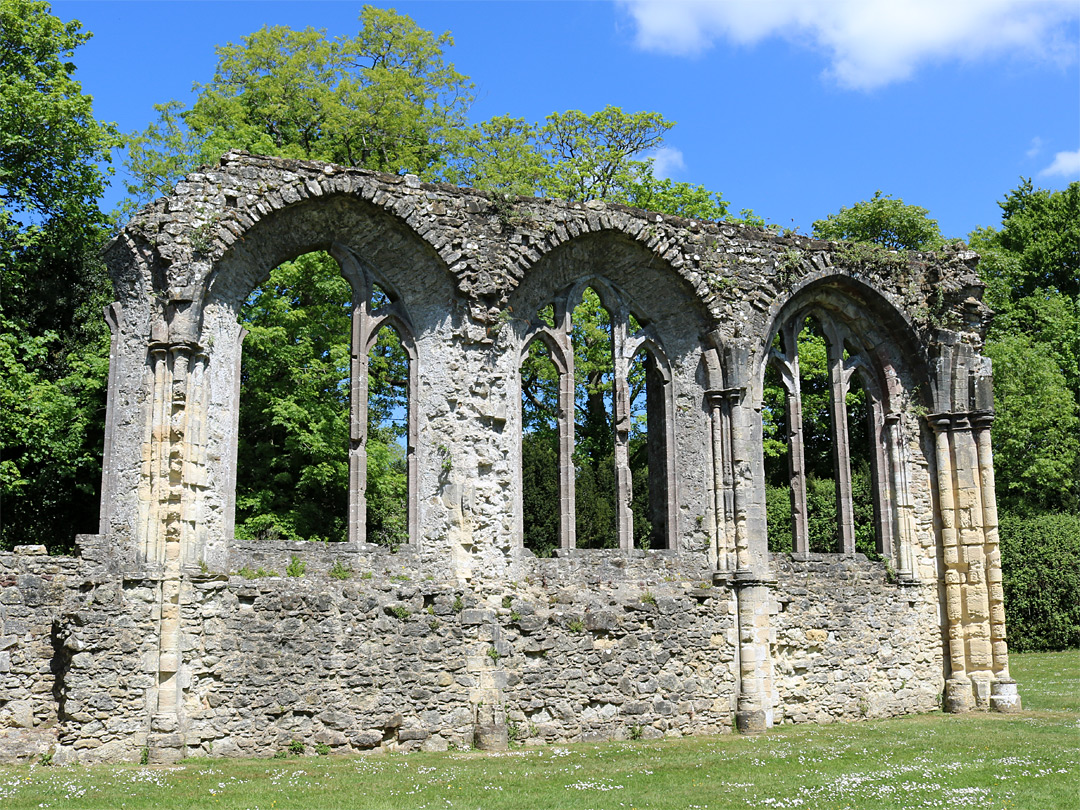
(176,444)
(978,651)
(957,685)
(1004,696)
(751,581)
(754,704)
(973,559)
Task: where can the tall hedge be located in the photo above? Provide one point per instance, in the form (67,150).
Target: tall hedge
(1040,563)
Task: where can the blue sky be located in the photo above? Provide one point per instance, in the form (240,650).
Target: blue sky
(793,108)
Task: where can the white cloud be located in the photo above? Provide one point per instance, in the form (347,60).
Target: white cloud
(1066,164)
(870,42)
(666,161)
(1035,148)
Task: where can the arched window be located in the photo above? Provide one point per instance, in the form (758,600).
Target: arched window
(824,408)
(326,432)
(596,409)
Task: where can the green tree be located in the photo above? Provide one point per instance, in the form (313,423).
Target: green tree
(50,143)
(578,156)
(591,156)
(385,99)
(1037,246)
(500,155)
(666,196)
(884,221)
(1036,432)
(1031,266)
(1040,561)
(293,475)
(54,344)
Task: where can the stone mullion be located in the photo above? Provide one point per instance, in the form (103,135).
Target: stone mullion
(624,515)
(113,314)
(358,417)
(720,416)
(881,485)
(661,495)
(800,532)
(233,451)
(412,430)
(841,448)
(667,427)
(902,529)
(958,685)
(562,333)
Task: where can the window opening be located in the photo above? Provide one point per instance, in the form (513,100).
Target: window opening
(817,433)
(594,447)
(292,472)
(540,448)
(648,448)
(596,427)
(387,512)
(861,446)
(777,450)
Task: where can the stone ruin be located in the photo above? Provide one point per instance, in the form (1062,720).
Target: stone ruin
(147,643)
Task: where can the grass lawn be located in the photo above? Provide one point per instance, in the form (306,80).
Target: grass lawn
(1029,761)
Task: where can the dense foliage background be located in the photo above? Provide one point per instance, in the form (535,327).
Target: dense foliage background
(386,99)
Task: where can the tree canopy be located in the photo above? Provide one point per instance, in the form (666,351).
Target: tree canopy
(1031,265)
(882,220)
(53,342)
(384,99)
(51,146)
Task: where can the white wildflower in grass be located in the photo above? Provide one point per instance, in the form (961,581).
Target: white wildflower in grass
(585,784)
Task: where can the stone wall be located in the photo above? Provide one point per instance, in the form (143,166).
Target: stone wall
(850,643)
(169,636)
(590,646)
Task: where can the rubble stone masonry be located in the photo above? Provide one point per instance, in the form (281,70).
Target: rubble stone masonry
(149,641)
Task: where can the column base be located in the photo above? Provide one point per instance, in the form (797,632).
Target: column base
(753,721)
(958,697)
(491,737)
(165,744)
(165,749)
(1005,697)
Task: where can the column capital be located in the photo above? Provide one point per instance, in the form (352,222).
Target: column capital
(176,347)
(953,420)
(717,396)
